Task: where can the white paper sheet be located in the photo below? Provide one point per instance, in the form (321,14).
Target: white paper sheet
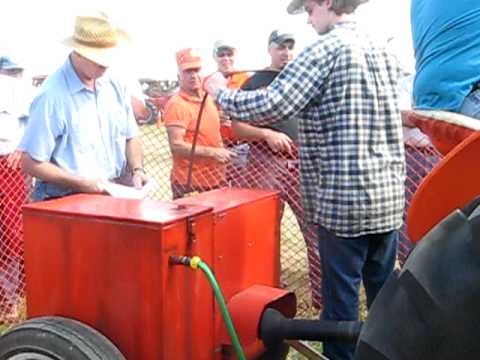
(128,192)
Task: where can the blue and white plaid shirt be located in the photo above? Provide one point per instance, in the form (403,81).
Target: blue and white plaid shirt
(344,90)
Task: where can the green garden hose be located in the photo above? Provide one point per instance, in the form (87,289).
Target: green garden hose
(197,263)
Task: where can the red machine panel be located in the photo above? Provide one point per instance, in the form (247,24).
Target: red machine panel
(104,261)
(246,241)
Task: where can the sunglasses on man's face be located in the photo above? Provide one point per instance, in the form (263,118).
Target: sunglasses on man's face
(224,53)
(285,45)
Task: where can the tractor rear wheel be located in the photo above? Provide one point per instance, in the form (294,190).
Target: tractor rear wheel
(56,338)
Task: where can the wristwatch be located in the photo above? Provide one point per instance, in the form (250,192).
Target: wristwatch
(135,169)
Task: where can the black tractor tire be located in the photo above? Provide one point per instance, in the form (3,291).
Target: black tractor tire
(56,338)
(430,309)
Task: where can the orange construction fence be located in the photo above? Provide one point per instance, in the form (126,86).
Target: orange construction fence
(254,167)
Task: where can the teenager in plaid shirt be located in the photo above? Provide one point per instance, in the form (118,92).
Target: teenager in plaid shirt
(343,89)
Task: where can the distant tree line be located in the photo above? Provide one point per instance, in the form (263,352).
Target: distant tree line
(151,87)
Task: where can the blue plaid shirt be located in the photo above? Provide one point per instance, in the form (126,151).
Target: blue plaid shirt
(343,89)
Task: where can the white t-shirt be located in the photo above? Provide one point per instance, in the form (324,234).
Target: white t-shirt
(15,98)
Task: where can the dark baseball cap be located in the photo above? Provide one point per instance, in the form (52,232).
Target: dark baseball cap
(278,37)
(223,44)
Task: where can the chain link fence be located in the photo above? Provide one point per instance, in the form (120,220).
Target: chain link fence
(255,166)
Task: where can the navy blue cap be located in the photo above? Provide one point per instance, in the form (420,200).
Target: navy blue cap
(6,63)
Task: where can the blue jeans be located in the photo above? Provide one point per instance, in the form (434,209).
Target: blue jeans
(345,263)
(471,105)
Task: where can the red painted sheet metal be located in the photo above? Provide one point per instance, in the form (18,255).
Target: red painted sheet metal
(443,135)
(246,241)
(227,198)
(107,207)
(451,185)
(247,307)
(112,272)
(104,261)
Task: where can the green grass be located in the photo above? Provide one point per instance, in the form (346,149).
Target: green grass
(295,355)
(3,329)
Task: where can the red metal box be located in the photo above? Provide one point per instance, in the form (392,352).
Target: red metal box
(246,241)
(104,261)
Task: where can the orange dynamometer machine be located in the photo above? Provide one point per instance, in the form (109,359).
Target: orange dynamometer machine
(105,262)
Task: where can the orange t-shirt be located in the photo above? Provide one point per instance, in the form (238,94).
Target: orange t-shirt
(182,110)
(235,81)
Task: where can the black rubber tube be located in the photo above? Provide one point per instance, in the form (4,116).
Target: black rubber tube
(194,142)
(275,328)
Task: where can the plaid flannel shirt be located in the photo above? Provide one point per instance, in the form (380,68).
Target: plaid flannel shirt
(343,89)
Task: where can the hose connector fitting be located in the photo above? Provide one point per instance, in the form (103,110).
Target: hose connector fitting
(179,260)
(194,262)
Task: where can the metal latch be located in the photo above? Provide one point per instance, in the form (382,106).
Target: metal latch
(191,228)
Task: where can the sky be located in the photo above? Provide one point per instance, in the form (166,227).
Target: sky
(32,30)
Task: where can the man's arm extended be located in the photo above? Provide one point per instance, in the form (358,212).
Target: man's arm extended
(180,147)
(277,141)
(49,172)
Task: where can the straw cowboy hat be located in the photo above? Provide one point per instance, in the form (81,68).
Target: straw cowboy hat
(95,38)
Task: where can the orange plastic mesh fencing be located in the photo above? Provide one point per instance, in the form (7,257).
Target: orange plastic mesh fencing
(255,166)
(420,159)
(13,194)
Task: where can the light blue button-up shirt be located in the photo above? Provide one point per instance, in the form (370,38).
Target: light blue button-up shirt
(80,130)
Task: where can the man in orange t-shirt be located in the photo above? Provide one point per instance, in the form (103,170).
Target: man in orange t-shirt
(224,54)
(181,114)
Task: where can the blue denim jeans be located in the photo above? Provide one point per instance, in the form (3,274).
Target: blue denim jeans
(471,105)
(345,263)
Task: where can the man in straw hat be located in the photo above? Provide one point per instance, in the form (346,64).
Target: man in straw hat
(343,90)
(82,131)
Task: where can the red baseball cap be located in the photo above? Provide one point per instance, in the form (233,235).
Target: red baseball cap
(188,59)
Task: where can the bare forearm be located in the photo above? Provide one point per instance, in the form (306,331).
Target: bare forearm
(184,149)
(50,172)
(134,153)
(276,140)
(405,119)
(139,109)
(248,132)
(180,147)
